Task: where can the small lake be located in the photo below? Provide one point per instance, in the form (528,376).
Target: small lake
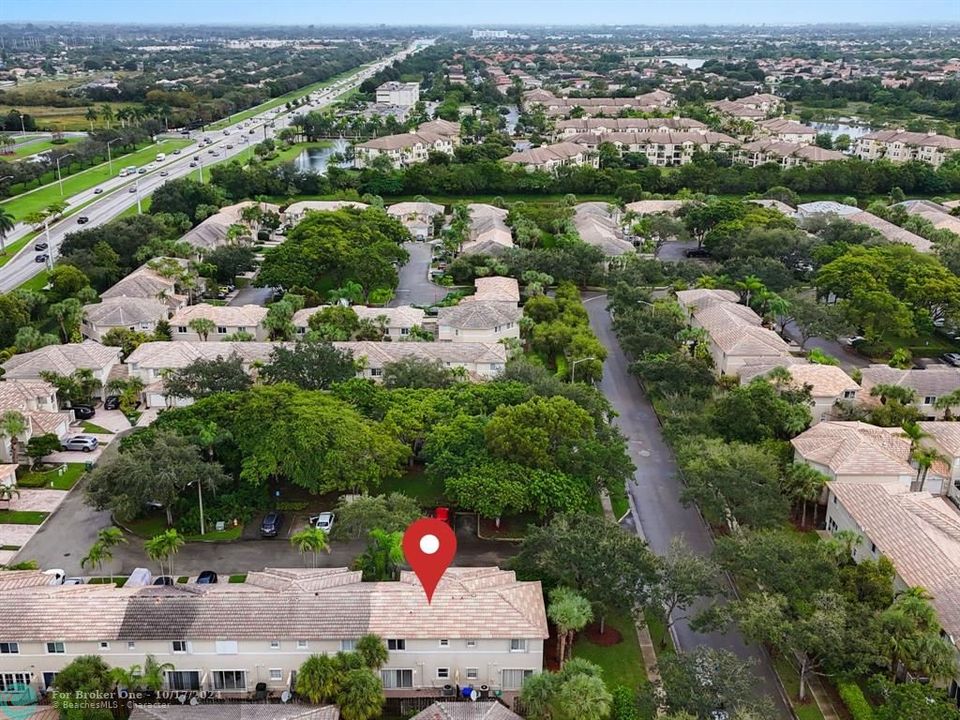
(834,129)
(315,160)
(692,63)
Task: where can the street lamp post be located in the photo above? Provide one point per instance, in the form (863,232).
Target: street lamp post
(23,129)
(109,156)
(573,366)
(59,178)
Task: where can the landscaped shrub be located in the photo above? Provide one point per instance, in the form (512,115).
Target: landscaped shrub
(856,703)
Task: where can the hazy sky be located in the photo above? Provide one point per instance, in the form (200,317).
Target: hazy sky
(483,13)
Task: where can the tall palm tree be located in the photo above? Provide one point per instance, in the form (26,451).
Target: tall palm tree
(803,484)
(202,327)
(13,425)
(106,112)
(570,612)
(163,547)
(7,223)
(107,539)
(92,115)
(311,540)
(318,679)
(361,695)
(96,556)
(154,674)
(384,554)
(947,403)
(925,457)
(914,433)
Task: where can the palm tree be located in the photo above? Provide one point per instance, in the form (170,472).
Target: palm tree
(384,554)
(164,546)
(947,403)
(68,314)
(202,327)
(570,612)
(13,425)
(925,457)
(361,695)
(748,287)
(804,484)
(96,556)
(92,115)
(109,538)
(311,540)
(56,209)
(154,674)
(106,112)
(373,651)
(7,223)
(318,679)
(914,433)
(903,395)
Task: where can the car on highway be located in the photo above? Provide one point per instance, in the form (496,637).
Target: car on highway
(142,171)
(323,521)
(196,157)
(97,191)
(41,258)
(132,189)
(193,164)
(163,173)
(207,577)
(83,220)
(271,524)
(83,412)
(40,246)
(177,151)
(86,443)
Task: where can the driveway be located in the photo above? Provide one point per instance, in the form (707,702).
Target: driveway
(415,287)
(252,296)
(848,360)
(655,489)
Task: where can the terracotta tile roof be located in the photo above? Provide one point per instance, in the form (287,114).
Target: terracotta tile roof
(212,232)
(61,359)
(298,208)
(404,140)
(825,380)
(225,315)
(176,354)
(481,710)
(495,289)
(783,126)
(935,381)
(690,137)
(919,533)
(479,315)
(937,214)
(234,711)
(380,353)
(145,282)
(856,448)
(545,154)
(124,311)
(651,207)
(586,125)
(401,316)
(468,603)
(422,209)
(917,139)
(700,298)
(598,224)
(944,434)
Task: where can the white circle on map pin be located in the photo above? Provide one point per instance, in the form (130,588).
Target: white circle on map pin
(429,544)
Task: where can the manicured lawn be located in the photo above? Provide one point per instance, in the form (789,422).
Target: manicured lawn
(622,663)
(132,210)
(42,479)
(238,578)
(293,152)
(425,490)
(67,119)
(621,505)
(42,146)
(231,533)
(657,626)
(118,581)
(926,345)
(37,282)
(21,517)
(149,526)
(791,681)
(40,198)
(89,427)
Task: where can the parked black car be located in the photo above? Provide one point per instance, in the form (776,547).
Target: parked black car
(697,253)
(270,527)
(163,580)
(112,402)
(207,577)
(83,412)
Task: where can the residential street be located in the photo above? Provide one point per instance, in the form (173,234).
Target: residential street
(655,490)
(415,287)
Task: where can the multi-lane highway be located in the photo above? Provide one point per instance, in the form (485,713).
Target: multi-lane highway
(111,198)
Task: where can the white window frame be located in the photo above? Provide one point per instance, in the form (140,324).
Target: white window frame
(524,674)
(55,651)
(398,686)
(303,644)
(14,678)
(180,673)
(472,673)
(274,644)
(518,645)
(471,643)
(444,643)
(13,648)
(930,400)
(185,648)
(131,645)
(104,645)
(348,645)
(443,673)
(226,647)
(399,644)
(278,672)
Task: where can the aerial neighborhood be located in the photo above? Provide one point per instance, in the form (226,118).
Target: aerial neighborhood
(571,366)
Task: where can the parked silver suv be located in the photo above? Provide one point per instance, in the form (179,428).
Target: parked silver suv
(87,443)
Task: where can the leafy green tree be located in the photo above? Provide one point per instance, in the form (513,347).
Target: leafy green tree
(381,559)
(335,322)
(203,378)
(912,701)
(683,578)
(39,446)
(391,513)
(309,365)
(542,432)
(65,282)
(279,318)
(577,692)
(318,679)
(414,372)
(84,676)
(760,411)
(361,695)
(157,470)
(13,425)
(705,680)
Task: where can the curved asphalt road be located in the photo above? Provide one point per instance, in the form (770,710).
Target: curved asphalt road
(655,489)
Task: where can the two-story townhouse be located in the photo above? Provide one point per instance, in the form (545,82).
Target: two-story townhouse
(36,401)
(128,313)
(565,129)
(160,279)
(902,146)
(482,626)
(944,437)
(417,217)
(398,322)
(928,385)
(663,149)
(599,224)
(918,532)
(478,360)
(404,149)
(227,321)
(550,158)
(489,233)
(212,232)
(480,322)
(787,131)
(295,212)
(784,153)
(829,385)
(65,360)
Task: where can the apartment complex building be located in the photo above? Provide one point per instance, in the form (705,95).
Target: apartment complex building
(398,93)
(663,149)
(437,136)
(901,146)
(483,627)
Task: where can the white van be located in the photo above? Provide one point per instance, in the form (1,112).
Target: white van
(124,172)
(161,157)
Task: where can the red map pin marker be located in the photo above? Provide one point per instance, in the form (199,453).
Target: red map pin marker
(429,546)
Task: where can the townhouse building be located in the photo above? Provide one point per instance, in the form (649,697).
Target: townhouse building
(417,217)
(928,385)
(483,627)
(784,153)
(227,321)
(495,289)
(128,313)
(599,224)
(489,233)
(787,131)
(404,149)
(101,360)
(398,322)
(891,232)
(479,322)
(295,212)
(944,437)
(550,158)
(830,387)
(36,401)
(663,149)
(605,125)
(902,146)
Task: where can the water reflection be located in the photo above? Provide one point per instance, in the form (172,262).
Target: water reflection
(315,160)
